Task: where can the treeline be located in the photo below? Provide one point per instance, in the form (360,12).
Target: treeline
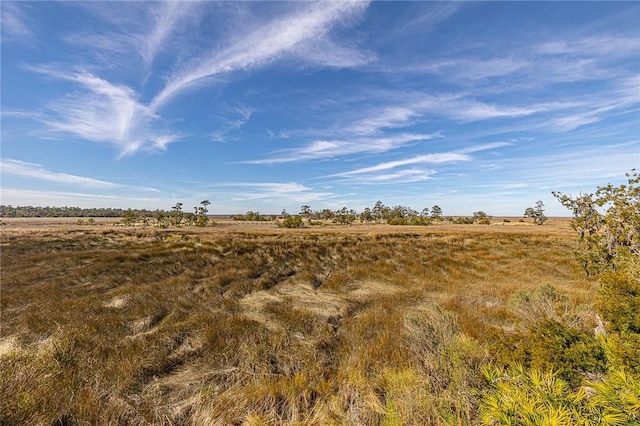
(396,215)
(30,211)
(378,213)
(176,217)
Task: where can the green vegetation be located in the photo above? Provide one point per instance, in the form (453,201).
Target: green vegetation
(547,384)
(518,396)
(292,222)
(536,213)
(251,216)
(29,211)
(608,224)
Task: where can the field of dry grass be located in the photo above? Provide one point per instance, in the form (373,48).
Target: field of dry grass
(249,324)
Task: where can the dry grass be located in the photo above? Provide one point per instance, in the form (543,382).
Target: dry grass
(241,325)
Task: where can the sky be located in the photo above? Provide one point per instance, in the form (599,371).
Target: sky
(266,106)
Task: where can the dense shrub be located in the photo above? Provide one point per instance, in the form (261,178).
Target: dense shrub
(517,396)
(292,222)
(551,346)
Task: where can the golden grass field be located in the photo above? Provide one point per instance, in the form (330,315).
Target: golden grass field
(246,323)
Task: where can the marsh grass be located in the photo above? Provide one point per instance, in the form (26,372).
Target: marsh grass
(131,326)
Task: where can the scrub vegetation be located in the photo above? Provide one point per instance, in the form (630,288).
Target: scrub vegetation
(364,325)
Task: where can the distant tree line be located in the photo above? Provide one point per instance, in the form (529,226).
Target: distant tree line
(129,217)
(252,216)
(378,213)
(30,211)
(175,217)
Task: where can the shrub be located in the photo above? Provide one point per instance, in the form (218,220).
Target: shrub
(292,222)
(555,336)
(619,301)
(531,397)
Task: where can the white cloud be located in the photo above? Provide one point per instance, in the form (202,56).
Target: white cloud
(37,171)
(372,174)
(436,13)
(401,176)
(438,158)
(143,28)
(327,149)
(104,112)
(21,168)
(389,117)
(267,43)
(287,192)
(239,117)
(15,23)
(603,45)
(597,107)
(167,17)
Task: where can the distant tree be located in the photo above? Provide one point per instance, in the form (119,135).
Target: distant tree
(378,211)
(306,212)
(325,214)
(424,212)
(481,218)
(292,222)
(162,219)
(536,213)
(129,218)
(436,213)
(344,216)
(366,215)
(201,213)
(177,214)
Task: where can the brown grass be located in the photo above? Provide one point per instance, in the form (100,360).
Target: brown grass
(255,325)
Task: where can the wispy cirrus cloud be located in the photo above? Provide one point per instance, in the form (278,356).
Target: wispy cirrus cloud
(143,28)
(167,17)
(371,173)
(302,33)
(37,171)
(103,112)
(405,176)
(595,108)
(328,149)
(274,192)
(16,25)
(434,14)
(239,116)
(437,158)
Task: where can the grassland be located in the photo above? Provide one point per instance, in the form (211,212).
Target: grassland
(250,324)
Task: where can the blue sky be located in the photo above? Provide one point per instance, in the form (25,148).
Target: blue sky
(271,105)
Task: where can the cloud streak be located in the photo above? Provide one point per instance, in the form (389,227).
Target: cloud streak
(273,191)
(301,33)
(371,174)
(15,23)
(328,149)
(37,171)
(103,112)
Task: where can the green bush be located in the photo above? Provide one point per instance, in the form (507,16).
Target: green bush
(619,301)
(518,396)
(551,346)
(292,222)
